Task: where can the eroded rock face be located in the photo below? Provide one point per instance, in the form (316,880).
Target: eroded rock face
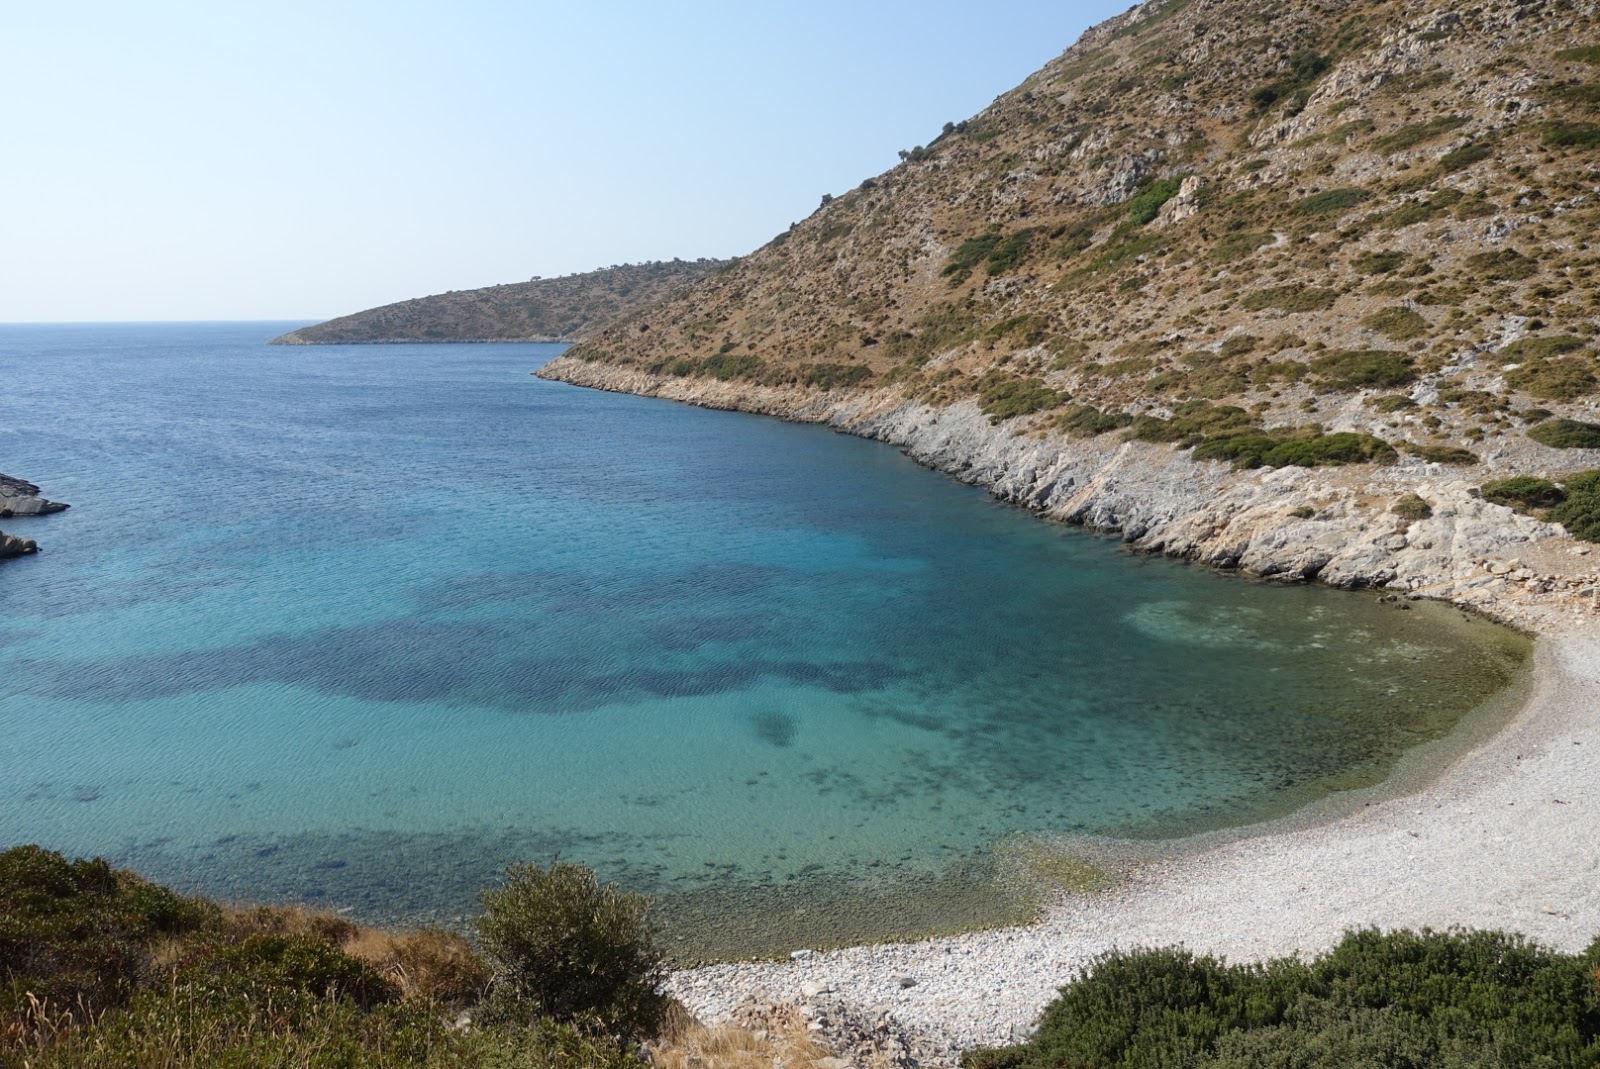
(20,498)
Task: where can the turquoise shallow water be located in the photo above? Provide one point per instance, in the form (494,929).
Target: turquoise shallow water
(362,625)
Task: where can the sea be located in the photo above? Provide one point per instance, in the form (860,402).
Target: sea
(358,627)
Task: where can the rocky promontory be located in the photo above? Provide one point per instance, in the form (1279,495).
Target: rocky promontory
(539,310)
(20,498)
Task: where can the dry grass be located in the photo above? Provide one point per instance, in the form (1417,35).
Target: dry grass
(429,965)
(784,1043)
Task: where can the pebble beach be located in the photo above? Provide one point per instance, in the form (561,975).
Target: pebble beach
(1506,835)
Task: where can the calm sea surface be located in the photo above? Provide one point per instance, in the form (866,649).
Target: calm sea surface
(360,626)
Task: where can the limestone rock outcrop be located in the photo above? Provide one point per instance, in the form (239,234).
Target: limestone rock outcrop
(21,498)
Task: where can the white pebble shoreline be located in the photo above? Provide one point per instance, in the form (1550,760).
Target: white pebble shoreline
(1507,836)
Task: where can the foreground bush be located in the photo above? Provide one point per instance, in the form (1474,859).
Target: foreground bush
(102,970)
(565,947)
(1397,1000)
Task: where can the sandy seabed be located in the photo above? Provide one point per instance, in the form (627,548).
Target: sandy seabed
(1506,835)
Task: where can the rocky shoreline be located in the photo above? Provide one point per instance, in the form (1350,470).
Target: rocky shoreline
(1329,525)
(1500,838)
(21,498)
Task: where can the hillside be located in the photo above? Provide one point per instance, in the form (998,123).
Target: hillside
(1214,237)
(544,309)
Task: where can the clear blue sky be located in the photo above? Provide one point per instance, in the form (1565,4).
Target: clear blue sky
(169,160)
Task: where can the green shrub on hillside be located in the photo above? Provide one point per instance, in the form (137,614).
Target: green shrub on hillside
(725,366)
(1523,492)
(1503,265)
(1582,54)
(1398,323)
(1572,135)
(565,947)
(1086,421)
(1365,367)
(969,254)
(1411,508)
(1294,297)
(1004,397)
(1443,454)
(1330,201)
(829,376)
(1566,434)
(1580,512)
(1009,253)
(1464,157)
(1146,204)
(1561,379)
(1443,1000)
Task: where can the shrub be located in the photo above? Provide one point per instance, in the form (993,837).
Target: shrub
(1146,204)
(1566,434)
(1394,402)
(1523,492)
(1545,346)
(1580,512)
(1398,323)
(1294,297)
(1561,379)
(1365,367)
(1572,135)
(1582,482)
(1378,263)
(1401,998)
(829,376)
(1004,397)
(264,966)
(80,929)
(1414,134)
(725,366)
(1086,421)
(1583,54)
(1503,265)
(1443,454)
(969,254)
(1464,157)
(563,946)
(1411,508)
(1328,450)
(1237,245)
(1330,201)
(1010,252)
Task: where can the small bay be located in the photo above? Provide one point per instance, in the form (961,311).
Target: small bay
(360,626)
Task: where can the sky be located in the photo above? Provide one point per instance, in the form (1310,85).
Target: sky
(301,160)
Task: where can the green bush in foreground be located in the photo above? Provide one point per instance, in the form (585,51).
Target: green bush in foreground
(102,970)
(1398,999)
(563,946)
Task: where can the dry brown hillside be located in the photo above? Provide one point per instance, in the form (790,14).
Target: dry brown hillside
(1229,224)
(543,309)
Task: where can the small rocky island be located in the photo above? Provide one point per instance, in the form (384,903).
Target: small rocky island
(21,498)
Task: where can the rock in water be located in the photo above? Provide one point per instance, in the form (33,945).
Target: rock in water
(20,498)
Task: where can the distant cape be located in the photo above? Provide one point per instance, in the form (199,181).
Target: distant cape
(540,310)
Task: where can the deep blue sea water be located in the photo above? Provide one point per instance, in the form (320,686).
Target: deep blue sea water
(362,625)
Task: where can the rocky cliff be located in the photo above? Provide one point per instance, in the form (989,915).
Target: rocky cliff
(19,498)
(543,309)
(1277,286)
